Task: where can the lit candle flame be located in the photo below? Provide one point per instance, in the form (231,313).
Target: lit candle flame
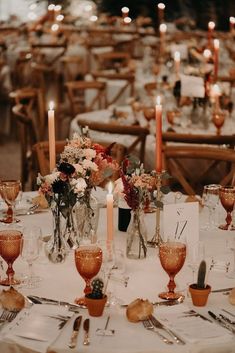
(163,28)
(161,6)
(51,7)
(59,18)
(93,18)
(125,9)
(232,20)
(51,105)
(158,100)
(211,25)
(216,43)
(127,20)
(207,53)
(110,187)
(177,56)
(55,27)
(215,91)
(58,7)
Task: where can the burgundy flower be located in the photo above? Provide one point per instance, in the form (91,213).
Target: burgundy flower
(66,168)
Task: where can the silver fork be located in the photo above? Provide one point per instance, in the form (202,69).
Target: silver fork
(149,326)
(7,316)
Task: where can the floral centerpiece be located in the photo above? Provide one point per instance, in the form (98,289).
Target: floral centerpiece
(83,165)
(137,187)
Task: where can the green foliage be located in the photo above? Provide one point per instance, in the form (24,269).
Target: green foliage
(201,275)
(97,286)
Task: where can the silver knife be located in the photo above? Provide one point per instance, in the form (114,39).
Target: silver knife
(158,324)
(221,290)
(86,327)
(221,322)
(161,303)
(76,326)
(41,300)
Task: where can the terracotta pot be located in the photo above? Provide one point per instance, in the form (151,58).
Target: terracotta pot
(199,296)
(95,306)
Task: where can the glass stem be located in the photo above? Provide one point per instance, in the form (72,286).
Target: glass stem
(30,271)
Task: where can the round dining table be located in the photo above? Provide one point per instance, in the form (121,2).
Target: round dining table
(106,116)
(141,279)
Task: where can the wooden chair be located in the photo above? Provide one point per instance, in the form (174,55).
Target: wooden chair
(136,131)
(41,149)
(112,60)
(228,140)
(73,66)
(76,93)
(150,88)
(34,106)
(128,79)
(28,137)
(176,156)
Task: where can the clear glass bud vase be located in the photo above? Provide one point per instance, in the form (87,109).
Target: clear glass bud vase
(136,236)
(86,218)
(57,247)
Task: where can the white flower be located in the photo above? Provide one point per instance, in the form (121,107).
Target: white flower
(90,165)
(50,178)
(89,153)
(80,185)
(79,168)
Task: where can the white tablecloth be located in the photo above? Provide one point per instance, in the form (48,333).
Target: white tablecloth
(147,279)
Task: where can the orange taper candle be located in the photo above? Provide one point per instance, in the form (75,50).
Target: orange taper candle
(158,115)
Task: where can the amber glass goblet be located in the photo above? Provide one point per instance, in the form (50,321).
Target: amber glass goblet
(218,120)
(172,254)
(227,199)
(9,190)
(10,243)
(88,260)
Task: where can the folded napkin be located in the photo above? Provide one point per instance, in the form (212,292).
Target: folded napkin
(37,327)
(190,327)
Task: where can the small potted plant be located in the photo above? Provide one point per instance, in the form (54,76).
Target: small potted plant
(96,300)
(200,291)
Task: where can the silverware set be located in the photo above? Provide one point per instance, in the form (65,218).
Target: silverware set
(223,321)
(153,324)
(76,326)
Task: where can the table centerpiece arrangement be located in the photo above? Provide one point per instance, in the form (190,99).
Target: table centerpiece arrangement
(137,187)
(83,165)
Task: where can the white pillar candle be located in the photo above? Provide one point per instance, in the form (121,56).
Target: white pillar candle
(51,135)
(109,202)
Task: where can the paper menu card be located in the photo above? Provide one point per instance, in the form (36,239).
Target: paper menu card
(37,326)
(181,220)
(191,327)
(192,86)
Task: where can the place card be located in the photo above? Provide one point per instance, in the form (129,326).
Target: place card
(182,49)
(182,220)
(192,86)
